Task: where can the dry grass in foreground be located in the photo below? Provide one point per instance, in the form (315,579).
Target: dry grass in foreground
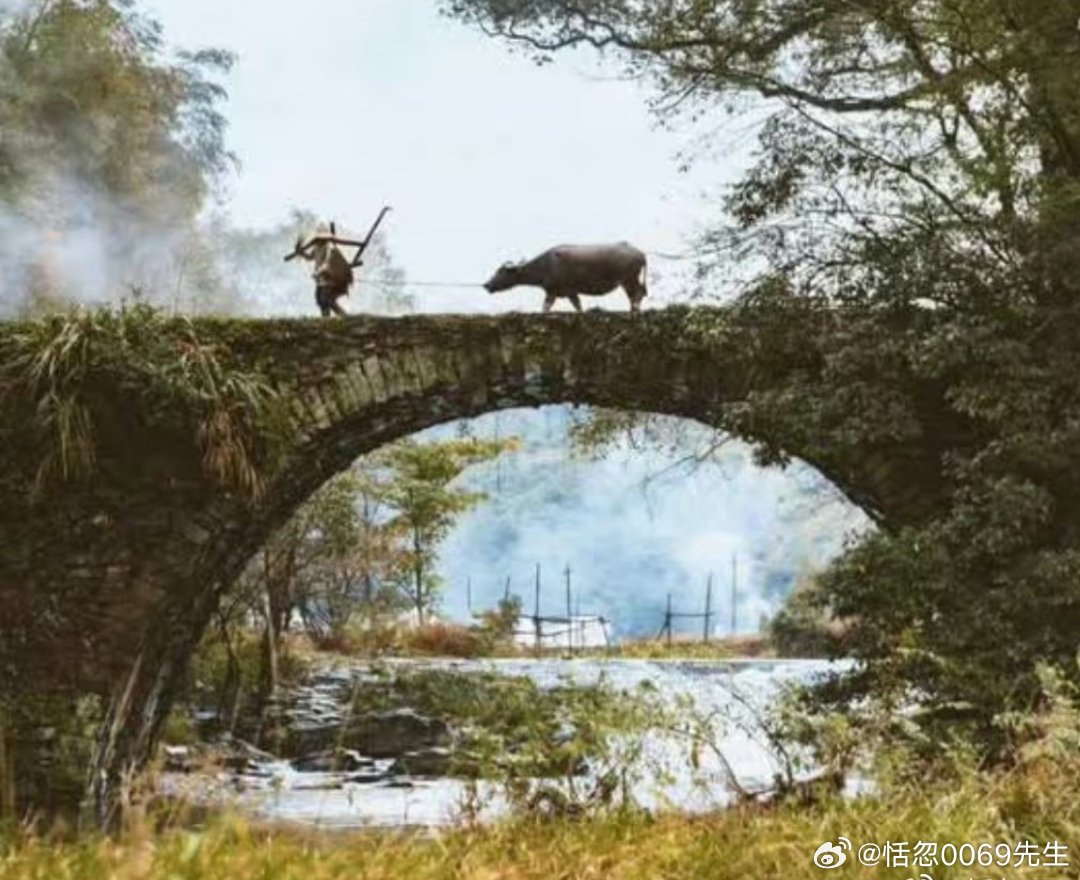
(1037,802)
(723,648)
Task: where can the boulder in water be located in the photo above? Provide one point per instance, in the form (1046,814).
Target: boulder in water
(424,762)
(333,761)
(394,733)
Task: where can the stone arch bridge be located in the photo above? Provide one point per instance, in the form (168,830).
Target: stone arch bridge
(356,384)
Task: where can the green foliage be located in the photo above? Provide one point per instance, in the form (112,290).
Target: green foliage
(801,627)
(907,236)
(514,730)
(47,742)
(685,648)
(366,545)
(597,432)
(91,400)
(498,625)
(335,559)
(61,370)
(227,675)
(88,93)
(882,114)
(1035,800)
(111,143)
(416,485)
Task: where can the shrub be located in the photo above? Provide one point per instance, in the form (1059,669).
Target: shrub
(802,627)
(441,639)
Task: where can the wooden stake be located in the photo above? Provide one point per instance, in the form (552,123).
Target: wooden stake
(667,623)
(734,593)
(569,613)
(708,606)
(536,609)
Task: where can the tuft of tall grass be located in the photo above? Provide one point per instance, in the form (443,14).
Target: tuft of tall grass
(61,369)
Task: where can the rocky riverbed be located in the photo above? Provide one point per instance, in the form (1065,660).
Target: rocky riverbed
(408,742)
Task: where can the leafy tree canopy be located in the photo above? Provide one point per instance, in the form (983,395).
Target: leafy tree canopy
(111,145)
(425,504)
(88,92)
(950,120)
(918,179)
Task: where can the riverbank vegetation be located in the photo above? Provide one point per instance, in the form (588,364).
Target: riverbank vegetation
(1036,800)
(355,568)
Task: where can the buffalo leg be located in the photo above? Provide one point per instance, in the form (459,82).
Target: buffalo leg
(549,302)
(635,289)
(576,300)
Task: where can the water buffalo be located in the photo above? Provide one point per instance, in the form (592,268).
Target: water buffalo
(573,271)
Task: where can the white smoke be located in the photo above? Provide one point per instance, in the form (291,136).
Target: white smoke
(628,547)
(74,245)
(65,236)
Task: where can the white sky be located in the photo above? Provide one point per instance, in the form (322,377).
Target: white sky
(342,106)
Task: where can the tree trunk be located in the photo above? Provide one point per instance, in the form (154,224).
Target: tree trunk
(229,698)
(418,594)
(7,773)
(418,577)
(270,651)
(140,704)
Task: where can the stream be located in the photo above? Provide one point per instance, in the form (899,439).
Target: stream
(734,691)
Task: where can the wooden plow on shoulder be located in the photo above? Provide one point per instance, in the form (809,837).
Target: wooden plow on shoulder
(303,249)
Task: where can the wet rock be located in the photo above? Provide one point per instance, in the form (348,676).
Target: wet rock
(437,761)
(395,733)
(425,762)
(241,757)
(178,759)
(319,785)
(227,754)
(304,739)
(260,771)
(548,802)
(333,761)
(370,775)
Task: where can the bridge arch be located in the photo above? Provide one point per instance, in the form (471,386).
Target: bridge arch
(357,384)
(362,384)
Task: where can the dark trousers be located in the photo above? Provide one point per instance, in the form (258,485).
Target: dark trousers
(326,298)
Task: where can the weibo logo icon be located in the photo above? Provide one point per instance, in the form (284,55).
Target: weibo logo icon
(831,855)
